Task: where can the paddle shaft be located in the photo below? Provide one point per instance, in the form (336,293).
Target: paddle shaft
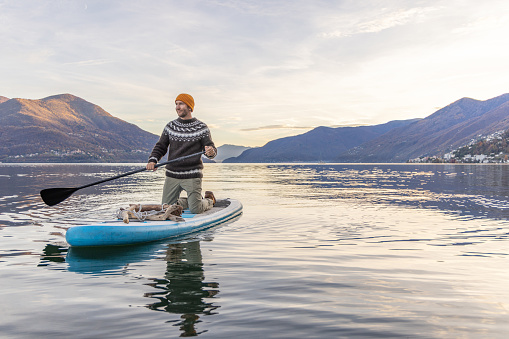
(53,196)
(140,170)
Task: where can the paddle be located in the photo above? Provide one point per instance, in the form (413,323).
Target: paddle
(53,196)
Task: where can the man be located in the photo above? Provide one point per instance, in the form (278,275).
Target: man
(184,136)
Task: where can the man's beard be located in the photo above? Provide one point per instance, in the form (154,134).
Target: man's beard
(182,114)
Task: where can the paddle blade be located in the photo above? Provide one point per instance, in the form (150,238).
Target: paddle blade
(53,196)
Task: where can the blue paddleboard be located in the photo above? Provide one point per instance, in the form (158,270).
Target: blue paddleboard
(116,232)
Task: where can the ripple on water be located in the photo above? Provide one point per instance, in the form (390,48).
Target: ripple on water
(321,251)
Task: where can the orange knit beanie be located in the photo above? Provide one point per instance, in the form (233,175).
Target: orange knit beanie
(187,99)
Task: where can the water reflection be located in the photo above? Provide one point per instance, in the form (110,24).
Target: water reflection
(473,191)
(52,254)
(113,260)
(477,191)
(183,289)
(20,184)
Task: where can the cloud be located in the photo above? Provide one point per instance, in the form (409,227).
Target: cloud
(272,127)
(385,19)
(88,62)
(485,23)
(284,127)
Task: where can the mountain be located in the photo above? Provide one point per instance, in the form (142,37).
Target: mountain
(65,128)
(229,151)
(224,152)
(319,144)
(448,128)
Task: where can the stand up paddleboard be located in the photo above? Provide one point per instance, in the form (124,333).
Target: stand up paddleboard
(114,233)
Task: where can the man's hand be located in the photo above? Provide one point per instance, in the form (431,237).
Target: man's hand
(209,151)
(151,166)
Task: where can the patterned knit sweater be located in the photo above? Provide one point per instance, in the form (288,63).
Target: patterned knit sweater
(180,138)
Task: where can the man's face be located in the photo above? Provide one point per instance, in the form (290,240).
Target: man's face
(183,111)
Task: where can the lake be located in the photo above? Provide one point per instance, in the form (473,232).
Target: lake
(321,251)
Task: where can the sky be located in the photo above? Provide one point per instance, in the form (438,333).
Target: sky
(258,70)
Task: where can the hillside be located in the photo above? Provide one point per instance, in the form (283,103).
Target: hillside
(229,151)
(492,148)
(65,128)
(319,144)
(448,128)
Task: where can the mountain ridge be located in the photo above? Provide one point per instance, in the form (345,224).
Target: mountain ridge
(66,128)
(320,144)
(450,127)
(59,125)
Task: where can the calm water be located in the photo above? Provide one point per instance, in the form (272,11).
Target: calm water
(321,251)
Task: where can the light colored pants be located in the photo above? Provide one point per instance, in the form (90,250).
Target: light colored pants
(173,187)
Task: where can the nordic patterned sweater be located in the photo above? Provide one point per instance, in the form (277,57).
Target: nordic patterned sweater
(180,138)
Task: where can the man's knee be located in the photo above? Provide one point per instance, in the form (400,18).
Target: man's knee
(195,205)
